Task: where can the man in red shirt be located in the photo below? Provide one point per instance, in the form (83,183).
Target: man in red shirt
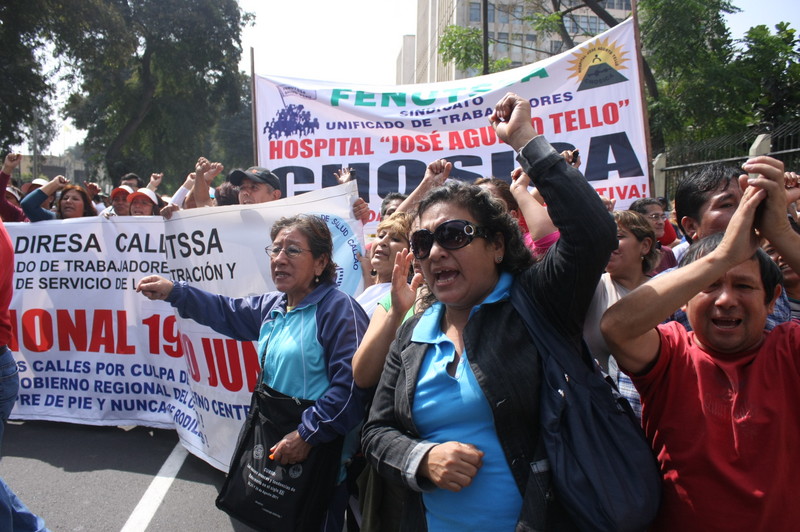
(719,404)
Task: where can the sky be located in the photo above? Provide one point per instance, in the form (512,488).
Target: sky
(359,40)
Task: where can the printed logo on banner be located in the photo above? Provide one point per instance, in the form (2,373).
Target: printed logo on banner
(292,119)
(295,471)
(346,248)
(598,65)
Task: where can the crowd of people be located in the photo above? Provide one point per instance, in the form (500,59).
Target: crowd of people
(429,375)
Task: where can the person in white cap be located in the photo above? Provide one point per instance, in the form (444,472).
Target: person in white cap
(119,202)
(143,202)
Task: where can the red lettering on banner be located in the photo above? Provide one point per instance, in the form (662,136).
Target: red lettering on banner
(212,367)
(102,331)
(414,143)
(623,192)
(191,358)
(319,147)
(71,328)
(594,116)
(71,333)
(174,347)
(37,321)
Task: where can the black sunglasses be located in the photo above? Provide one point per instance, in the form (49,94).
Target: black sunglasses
(452,234)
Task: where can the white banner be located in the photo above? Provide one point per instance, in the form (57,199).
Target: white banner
(93,351)
(586,98)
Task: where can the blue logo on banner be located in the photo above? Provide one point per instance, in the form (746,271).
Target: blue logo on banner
(345,249)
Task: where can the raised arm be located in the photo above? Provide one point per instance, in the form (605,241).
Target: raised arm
(539,223)
(436,174)
(371,354)
(773,223)
(588,234)
(629,326)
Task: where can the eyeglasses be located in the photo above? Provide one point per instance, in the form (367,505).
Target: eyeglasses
(656,217)
(452,234)
(290,251)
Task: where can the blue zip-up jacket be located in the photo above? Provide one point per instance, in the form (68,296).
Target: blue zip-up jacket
(309,350)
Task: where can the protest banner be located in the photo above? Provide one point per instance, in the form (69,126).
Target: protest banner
(586,98)
(93,351)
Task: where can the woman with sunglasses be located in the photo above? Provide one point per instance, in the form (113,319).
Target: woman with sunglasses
(455,414)
(307,332)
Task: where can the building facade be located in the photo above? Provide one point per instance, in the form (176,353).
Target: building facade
(511,34)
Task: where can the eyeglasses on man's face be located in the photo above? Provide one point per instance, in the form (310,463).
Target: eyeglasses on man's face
(290,251)
(452,234)
(657,216)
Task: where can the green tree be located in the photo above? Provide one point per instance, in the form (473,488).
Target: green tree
(151,77)
(769,69)
(464,47)
(232,135)
(25,94)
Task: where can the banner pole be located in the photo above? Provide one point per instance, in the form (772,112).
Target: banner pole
(643,95)
(253,104)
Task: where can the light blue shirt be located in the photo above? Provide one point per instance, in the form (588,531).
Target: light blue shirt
(454,408)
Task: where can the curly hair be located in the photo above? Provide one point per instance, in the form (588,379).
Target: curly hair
(489,213)
(641,229)
(319,239)
(88,206)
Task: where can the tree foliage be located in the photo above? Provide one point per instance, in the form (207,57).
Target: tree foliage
(700,82)
(25,108)
(147,79)
(153,77)
(464,47)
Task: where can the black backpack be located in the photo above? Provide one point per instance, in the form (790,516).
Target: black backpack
(604,473)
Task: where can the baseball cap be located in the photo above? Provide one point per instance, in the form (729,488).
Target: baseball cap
(121,188)
(257,174)
(14,191)
(146,192)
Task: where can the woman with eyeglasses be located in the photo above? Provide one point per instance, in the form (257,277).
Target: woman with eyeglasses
(653,211)
(307,332)
(455,414)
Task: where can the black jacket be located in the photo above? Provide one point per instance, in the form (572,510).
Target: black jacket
(502,354)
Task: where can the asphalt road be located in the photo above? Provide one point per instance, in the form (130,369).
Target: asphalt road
(87,478)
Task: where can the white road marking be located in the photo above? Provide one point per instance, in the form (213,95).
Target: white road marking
(150,501)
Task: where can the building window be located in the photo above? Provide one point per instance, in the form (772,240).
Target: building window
(502,14)
(491,13)
(518,13)
(502,40)
(516,37)
(474,11)
(555,47)
(530,37)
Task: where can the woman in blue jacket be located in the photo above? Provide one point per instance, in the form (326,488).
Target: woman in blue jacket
(307,332)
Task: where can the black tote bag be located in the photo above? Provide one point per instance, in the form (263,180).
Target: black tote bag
(266,495)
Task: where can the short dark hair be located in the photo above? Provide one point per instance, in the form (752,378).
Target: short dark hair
(319,239)
(770,273)
(391,196)
(227,194)
(503,190)
(490,214)
(131,175)
(694,190)
(641,204)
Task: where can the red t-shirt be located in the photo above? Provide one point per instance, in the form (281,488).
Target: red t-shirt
(726,432)
(6,284)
